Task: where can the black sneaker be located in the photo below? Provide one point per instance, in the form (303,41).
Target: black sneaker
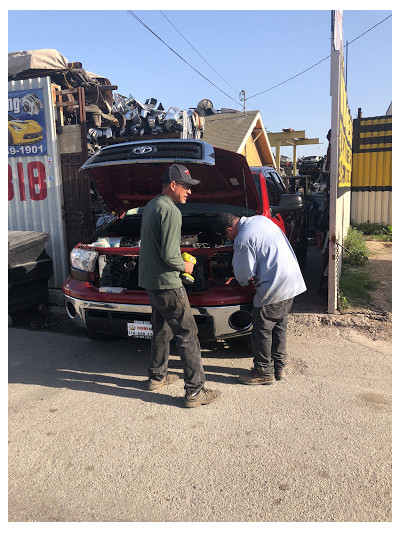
(280,374)
(255,378)
(202,397)
(154,384)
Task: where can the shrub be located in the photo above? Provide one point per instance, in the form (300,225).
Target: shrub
(356,251)
(376,231)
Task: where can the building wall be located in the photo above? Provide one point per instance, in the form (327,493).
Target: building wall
(251,154)
(371,184)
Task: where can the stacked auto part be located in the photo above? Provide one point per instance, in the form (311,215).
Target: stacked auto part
(147,119)
(105,111)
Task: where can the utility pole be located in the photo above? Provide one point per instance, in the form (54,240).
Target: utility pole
(242,96)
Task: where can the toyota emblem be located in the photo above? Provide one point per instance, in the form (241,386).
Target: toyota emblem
(140,150)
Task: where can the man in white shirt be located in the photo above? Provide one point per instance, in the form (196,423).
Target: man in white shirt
(262,253)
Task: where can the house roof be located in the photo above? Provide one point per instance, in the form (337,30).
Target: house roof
(227,130)
(231,131)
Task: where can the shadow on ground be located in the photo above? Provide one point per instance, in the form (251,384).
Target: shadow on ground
(118,367)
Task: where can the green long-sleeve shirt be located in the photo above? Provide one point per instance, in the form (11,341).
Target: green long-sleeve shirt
(160,260)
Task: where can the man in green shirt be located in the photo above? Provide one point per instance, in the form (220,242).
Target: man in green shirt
(160,266)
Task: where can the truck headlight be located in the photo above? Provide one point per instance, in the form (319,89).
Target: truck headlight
(83,259)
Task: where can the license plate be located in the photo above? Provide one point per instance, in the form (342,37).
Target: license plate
(140,329)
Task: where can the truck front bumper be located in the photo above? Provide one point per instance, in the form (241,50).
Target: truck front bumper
(214,323)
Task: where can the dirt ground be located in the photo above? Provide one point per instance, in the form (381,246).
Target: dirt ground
(375,319)
(378,311)
(327,459)
(380,266)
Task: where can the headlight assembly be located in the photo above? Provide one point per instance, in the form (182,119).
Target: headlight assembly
(83,259)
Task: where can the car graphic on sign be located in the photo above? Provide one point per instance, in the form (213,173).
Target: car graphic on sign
(23,131)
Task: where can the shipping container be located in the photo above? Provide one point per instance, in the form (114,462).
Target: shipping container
(35,190)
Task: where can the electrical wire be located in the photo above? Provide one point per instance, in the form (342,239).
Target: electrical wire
(197,52)
(180,57)
(315,64)
(202,57)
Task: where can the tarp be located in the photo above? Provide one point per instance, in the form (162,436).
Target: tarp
(46,58)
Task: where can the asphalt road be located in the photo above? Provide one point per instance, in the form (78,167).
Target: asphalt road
(89,443)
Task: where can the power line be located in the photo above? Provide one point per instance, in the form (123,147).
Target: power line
(289,79)
(315,64)
(180,57)
(204,59)
(368,30)
(197,52)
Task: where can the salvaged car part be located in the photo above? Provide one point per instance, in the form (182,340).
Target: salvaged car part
(205,107)
(126,116)
(311,165)
(147,119)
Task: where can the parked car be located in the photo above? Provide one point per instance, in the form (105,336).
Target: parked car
(102,294)
(311,164)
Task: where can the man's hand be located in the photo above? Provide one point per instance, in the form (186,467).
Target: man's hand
(190,261)
(188,267)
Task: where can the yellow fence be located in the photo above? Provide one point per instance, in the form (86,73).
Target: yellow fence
(371,183)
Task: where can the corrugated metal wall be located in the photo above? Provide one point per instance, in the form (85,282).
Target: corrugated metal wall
(371,184)
(35,186)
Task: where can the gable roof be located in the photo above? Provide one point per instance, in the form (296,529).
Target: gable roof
(227,130)
(232,130)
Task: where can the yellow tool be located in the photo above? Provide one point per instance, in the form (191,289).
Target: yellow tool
(187,278)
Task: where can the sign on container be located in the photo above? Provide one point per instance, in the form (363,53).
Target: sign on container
(35,199)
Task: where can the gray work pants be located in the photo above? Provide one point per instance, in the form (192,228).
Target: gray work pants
(171,318)
(268,338)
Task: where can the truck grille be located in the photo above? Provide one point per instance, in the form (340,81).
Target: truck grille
(149,151)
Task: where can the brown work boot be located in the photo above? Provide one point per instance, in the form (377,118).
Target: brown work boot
(280,374)
(255,378)
(154,384)
(202,397)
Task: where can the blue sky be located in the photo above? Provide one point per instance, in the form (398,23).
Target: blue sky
(251,50)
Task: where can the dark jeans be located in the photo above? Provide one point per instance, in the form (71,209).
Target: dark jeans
(172,317)
(268,338)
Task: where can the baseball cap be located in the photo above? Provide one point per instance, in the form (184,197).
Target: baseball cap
(178,173)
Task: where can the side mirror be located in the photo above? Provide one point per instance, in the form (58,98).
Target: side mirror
(291,202)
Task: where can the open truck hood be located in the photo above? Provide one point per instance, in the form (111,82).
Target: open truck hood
(128,175)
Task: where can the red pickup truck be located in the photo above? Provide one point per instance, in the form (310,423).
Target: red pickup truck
(102,293)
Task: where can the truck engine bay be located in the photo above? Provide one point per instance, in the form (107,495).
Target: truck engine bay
(118,247)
